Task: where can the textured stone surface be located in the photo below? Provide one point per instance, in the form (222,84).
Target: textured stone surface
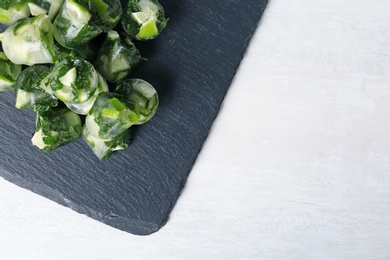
(191,64)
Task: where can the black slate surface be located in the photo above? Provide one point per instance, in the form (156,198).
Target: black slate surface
(191,64)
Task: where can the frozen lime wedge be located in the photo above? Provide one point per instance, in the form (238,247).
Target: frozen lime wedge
(36,10)
(64,94)
(140,17)
(23,98)
(148,30)
(69,78)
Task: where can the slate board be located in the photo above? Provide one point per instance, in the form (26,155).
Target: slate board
(191,64)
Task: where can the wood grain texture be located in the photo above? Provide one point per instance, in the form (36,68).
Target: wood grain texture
(296,165)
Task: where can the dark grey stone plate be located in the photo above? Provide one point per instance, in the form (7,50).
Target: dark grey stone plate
(191,64)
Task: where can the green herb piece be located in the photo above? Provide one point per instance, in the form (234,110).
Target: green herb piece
(79,21)
(112,115)
(11,11)
(104,148)
(9,72)
(74,80)
(140,96)
(117,57)
(30,41)
(87,51)
(84,107)
(109,116)
(74,25)
(48,7)
(144,19)
(109,13)
(55,128)
(33,91)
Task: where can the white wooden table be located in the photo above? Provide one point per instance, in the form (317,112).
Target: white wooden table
(297,165)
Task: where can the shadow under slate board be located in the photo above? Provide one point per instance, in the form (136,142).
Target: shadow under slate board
(191,64)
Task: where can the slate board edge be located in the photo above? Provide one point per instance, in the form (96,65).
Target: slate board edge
(125,224)
(244,50)
(118,222)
